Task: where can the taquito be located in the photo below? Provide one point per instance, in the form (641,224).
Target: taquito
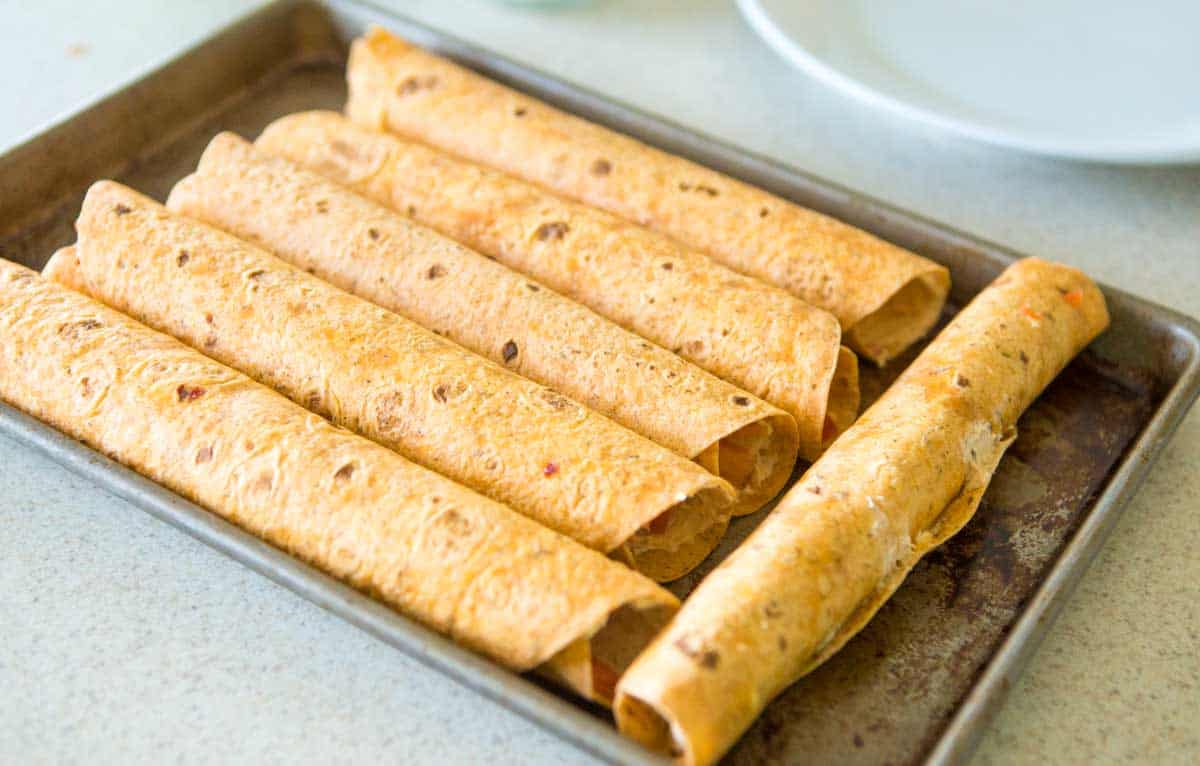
(377,373)
(462,564)
(884,296)
(381,256)
(905,477)
(756,336)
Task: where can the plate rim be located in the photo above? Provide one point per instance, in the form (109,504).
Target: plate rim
(1130,152)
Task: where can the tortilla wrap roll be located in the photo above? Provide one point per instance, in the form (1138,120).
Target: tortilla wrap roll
(379,374)
(464,565)
(904,478)
(753,335)
(885,297)
(379,255)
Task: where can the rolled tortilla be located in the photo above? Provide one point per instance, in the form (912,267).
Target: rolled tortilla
(885,297)
(462,564)
(756,336)
(381,375)
(905,477)
(385,258)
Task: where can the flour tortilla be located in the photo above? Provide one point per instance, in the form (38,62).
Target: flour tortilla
(385,258)
(756,336)
(885,297)
(463,565)
(377,373)
(908,475)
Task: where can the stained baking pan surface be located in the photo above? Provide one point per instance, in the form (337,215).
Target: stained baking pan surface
(919,683)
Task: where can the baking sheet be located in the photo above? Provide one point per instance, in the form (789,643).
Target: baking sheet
(920,682)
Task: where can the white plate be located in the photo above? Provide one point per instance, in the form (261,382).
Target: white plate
(1108,80)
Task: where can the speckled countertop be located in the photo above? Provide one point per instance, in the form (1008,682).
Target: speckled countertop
(125,640)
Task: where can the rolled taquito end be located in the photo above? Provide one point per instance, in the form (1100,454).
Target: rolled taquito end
(377,373)
(386,258)
(464,565)
(884,296)
(911,306)
(905,477)
(842,399)
(758,337)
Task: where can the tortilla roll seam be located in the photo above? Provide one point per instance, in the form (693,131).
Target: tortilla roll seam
(756,336)
(885,297)
(381,256)
(377,373)
(464,565)
(905,477)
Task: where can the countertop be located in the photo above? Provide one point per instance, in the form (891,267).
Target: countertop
(125,640)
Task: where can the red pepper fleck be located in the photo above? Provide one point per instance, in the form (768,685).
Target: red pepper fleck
(188,393)
(604,680)
(550,469)
(1031,313)
(1074,297)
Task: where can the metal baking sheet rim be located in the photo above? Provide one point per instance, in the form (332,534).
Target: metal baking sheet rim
(544,709)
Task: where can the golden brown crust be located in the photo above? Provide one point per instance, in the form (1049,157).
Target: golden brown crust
(885,297)
(905,477)
(379,255)
(454,560)
(389,379)
(755,336)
